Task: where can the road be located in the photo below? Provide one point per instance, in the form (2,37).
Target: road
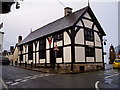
(14,77)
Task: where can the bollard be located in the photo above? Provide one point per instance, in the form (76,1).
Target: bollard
(31,64)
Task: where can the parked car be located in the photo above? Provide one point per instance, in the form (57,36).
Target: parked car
(116,63)
(4,61)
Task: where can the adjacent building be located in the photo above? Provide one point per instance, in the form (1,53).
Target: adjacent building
(74,41)
(1,42)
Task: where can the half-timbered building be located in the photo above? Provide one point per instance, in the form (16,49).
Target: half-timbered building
(78,37)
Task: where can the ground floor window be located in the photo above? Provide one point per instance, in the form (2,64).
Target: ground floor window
(21,57)
(30,51)
(90,51)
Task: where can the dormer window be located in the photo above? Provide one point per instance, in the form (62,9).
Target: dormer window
(89,35)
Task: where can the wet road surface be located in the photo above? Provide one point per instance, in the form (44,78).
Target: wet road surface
(14,77)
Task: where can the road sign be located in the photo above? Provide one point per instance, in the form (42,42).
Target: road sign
(56,48)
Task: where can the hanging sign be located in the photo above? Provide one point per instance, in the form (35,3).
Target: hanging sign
(56,48)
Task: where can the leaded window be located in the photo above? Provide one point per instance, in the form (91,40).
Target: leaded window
(90,51)
(89,35)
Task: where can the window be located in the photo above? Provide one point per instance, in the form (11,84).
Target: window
(21,57)
(58,37)
(30,51)
(60,53)
(90,52)
(42,49)
(89,35)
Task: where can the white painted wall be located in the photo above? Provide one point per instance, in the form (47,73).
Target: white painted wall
(47,44)
(59,60)
(90,59)
(66,39)
(87,15)
(87,23)
(98,53)
(97,40)
(79,54)
(79,24)
(79,39)
(48,56)
(89,43)
(67,54)
(59,43)
(95,28)
(42,61)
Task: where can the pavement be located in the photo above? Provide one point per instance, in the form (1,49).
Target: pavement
(59,70)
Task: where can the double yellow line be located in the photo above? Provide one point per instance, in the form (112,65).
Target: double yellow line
(5,86)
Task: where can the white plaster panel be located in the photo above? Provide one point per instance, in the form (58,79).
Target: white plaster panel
(80,24)
(59,60)
(97,40)
(67,54)
(79,54)
(42,60)
(95,28)
(37,46)
(79,39)
(89,43)
(98,53)
(59,43)
(48,56)
(90,59)
(87,15)
(23,58)
(37,57)
(47,44)
(66,39)
(87,23)
(33,57)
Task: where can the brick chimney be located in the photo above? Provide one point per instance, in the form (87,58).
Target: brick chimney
(19,39)
(68,11)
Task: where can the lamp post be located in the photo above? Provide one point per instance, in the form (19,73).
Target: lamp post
(56,49)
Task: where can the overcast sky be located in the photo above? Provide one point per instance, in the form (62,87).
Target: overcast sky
(34,14)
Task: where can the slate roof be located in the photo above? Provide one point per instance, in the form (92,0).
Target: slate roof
(60,24)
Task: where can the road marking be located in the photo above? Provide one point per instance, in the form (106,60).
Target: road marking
(111,76)
(36,75)
(28,77)
(96,85)
(33,77)
(40,76)
(9,82)
(18,80)
(14,83)
(24,80)
(5,86)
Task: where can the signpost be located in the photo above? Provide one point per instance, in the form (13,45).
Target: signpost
(56,49)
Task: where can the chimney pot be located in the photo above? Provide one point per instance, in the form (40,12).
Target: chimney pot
(68,11)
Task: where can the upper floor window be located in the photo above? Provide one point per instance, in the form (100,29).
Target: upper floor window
(89,35)
(58,37)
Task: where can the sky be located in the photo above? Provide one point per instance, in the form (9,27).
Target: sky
(34,14)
